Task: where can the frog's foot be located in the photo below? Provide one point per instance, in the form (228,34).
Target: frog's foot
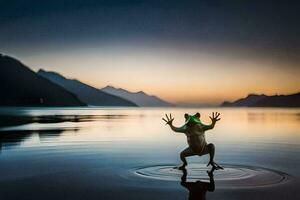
(181,167)
(214,165)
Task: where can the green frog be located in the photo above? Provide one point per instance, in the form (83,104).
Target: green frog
(194,129)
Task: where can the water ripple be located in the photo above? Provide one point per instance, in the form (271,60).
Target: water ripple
(235,176)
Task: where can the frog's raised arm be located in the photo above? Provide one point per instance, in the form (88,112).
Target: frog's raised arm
(169,120)
(178,129)
(214,118)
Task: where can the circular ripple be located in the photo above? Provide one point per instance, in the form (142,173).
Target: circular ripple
(232,175)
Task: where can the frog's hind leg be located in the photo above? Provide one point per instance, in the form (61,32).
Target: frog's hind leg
(210,149)
(185,153)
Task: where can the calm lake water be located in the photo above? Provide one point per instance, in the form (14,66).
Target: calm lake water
(105,153)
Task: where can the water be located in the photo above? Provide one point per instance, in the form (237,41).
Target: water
(120,153)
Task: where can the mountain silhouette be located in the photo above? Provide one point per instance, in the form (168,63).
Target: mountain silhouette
(253,100)
(20,86)
(140,98)
(87,94)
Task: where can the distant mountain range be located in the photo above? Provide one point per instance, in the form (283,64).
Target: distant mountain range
(140,98)
(87,94)
(253,100)
(20,86)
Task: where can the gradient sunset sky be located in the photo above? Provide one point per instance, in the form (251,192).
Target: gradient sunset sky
(182,51)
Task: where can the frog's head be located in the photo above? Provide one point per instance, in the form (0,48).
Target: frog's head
(191,120)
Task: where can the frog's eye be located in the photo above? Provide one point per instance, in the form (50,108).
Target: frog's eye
(197,115)
(186,116)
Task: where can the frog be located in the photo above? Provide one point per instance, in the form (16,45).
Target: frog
(195,130)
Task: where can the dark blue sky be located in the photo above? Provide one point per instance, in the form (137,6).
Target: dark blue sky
(240,46)
(262,28)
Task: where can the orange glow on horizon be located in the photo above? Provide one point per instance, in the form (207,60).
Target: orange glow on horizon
(175,76)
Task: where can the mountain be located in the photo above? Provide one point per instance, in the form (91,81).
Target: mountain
(251,99)
(84,92)
(20,86)
(140,98)
(254,100)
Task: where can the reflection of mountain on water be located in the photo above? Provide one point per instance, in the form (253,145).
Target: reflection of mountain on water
(13,139)
(6,120)
(13,120)
(17,129)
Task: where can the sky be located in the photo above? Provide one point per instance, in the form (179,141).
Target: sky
(200,51)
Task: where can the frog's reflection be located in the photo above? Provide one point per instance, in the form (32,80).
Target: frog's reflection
(197,190)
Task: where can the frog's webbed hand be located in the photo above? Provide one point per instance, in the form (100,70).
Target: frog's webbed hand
(214,118)
(169,121)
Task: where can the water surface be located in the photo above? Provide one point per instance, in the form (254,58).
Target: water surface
(96,153)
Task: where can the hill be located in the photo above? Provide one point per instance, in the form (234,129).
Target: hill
(140,98)
(87,94)
(21,86)
(254,100)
